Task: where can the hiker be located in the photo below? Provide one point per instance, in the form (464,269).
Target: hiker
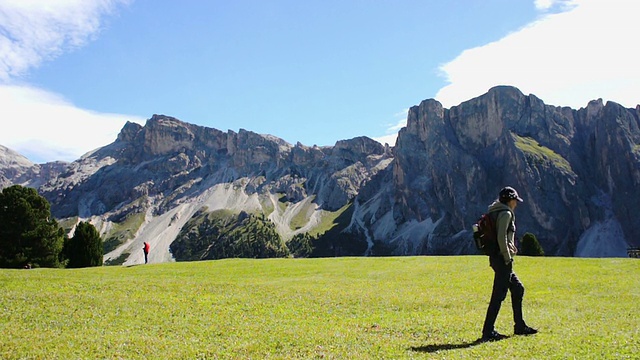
(501,261)
(146,251)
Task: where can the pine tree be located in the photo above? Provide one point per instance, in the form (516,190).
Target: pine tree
(28,233)
(300,245)
(531,246)
(85,248)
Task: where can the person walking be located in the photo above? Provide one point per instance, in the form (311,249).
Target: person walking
(501,261)
(146,249)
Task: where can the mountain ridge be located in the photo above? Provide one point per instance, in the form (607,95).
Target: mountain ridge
(577,170)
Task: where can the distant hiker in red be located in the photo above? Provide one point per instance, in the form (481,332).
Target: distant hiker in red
(146,251)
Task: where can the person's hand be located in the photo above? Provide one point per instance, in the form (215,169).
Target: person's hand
(513,249)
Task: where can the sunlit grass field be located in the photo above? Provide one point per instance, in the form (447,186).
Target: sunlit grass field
(337,308)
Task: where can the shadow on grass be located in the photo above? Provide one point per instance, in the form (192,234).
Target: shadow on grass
(443,347)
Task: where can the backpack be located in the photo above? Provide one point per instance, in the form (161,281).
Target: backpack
(485,234)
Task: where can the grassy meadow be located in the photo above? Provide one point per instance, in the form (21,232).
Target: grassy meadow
(336,308)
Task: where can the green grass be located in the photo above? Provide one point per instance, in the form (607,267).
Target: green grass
(121,232)
(68,223)
(337,308)
(266,204)
(119,260)
(331,219)
(282,202)
(302,217)
(541,154)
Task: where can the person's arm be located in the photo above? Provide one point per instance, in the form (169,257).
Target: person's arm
(502,226)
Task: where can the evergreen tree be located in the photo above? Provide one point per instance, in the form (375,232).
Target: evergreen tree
(220,235)
(530,246)
(28,233)
(300,245)
(85,248)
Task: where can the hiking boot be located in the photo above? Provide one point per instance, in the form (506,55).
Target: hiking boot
(492,336)
(524,330)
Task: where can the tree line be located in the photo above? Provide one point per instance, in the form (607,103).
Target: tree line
(31,237)
(221,234)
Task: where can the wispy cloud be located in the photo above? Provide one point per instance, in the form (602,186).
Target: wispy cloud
(43,126)
(37,123)
(400,121)
(34,31)
(576,51)
(567,58)
(543,4)
(551,5)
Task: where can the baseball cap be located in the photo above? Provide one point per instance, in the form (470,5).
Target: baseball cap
(508,193)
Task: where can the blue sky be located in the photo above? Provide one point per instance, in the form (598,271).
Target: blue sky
(72,72)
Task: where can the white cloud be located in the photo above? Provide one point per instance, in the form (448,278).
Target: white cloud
(392,130)
(33,31)
(543,4)
(387,139)
(402,121)
(39,124)
(567,58)
(548,5)
(45,127)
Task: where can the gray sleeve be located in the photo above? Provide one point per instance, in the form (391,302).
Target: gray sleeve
(502,225)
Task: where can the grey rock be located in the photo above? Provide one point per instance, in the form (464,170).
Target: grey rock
(451,163)
(578,171)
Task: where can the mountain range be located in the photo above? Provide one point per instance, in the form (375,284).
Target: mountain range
(577,170)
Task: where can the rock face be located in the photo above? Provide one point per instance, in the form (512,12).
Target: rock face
(574,168)
(17,169)
(577,170)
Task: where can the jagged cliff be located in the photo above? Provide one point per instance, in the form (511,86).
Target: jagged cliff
(17,169)
(148,183)
(578,171)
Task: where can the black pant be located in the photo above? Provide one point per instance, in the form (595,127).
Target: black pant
(505,280)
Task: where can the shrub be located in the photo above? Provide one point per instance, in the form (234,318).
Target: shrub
(530,246)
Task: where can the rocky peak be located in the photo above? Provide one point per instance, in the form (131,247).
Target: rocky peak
(459,158)
(578,171)
(17,169)
(13,167)
(129,132)
(12,159)
(252,150)
(362,146)
(302,155)
(479,122)
(165,135)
